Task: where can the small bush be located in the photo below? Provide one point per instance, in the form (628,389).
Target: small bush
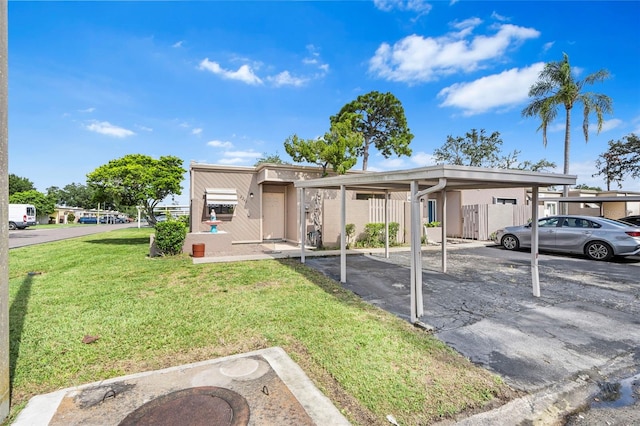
(184,219)
(170,236)
(349,231)
(433,224)
(71,218)
(374,234)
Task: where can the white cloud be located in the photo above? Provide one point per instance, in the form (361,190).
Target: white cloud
(502,90)
(418,59)
(495,15)
(87,110)
(106,128)
(419,6)
(606,125)
(244,73)
(246,158)
(286,79)
(314,59)
(422,159)
(547,46)
(220,144)
(178,44)
(196,131)
(144,128)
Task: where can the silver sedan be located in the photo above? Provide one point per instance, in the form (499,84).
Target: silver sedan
(596,237)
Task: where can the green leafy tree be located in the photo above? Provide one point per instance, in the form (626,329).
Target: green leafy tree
(621,160)
(380,119)
(336,148)
(587,187)
(73,195)
(556,86)
(477,149)
(44,205)
(270,159)
(19,184)
(138,180)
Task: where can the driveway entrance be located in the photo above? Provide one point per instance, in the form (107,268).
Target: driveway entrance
(587,318)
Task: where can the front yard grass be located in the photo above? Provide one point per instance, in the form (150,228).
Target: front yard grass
(155,313)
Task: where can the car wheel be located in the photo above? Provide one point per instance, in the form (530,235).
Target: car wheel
(12,226)
(597,250)
(510,242)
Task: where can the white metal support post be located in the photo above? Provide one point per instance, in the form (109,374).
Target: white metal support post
(386,224)
(343,237)
(444,230)
(303,222)
(535,277)
(414,267)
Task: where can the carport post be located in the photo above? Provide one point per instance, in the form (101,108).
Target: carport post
(386,223)
(535,277)
(303,222)
(416,267)
(444,230)
(343,237)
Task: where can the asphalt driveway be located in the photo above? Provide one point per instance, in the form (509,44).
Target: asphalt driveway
(35,235)
(587,318)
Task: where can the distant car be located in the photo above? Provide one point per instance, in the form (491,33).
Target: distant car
(596,237)
(634,220)
(108,219)
(88,220)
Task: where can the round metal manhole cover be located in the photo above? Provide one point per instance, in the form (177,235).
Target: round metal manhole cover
(206,406)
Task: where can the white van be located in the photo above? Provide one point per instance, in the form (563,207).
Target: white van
(21,216)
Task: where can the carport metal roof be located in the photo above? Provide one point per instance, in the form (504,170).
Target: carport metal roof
(421,182)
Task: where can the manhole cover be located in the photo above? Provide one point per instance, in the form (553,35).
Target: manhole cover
(207,405)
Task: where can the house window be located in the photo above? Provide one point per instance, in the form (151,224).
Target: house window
(550,208)
(506,201)
(221,200)
(432,211)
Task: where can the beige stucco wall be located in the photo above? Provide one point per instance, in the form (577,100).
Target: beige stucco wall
(244,224)
(486,196)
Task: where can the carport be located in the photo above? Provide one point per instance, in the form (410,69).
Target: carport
(421,182)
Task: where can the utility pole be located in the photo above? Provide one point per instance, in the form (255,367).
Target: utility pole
(5,386)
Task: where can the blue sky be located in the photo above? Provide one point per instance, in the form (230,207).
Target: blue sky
(226,82)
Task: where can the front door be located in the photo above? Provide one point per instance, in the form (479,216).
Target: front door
(272,216)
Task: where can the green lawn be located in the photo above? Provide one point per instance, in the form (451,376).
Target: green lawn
(155,313)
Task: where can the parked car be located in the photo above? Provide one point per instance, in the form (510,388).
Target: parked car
(634,220)
(596,237)
(88,219)
(108,219)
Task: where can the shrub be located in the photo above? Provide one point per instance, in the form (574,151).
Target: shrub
(433,224)
(349,231)
(184,219)
(374,234)
(71,218)
(170,236)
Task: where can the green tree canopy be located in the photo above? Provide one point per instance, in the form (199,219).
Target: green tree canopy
(587,187)
(73,195)
(138,180)
(270,159)
(621,160)
(19,184)
(555,87)
(380,119)
(336,148)
(477,149)
(44,205)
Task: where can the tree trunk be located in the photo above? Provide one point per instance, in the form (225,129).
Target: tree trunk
(365,156)
(567,144)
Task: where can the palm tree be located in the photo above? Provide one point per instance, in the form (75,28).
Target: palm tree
(557,86)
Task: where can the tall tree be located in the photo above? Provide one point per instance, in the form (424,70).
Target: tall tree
(73,195)
(477,149)
(19,184)
(337,148)
(138,180)
(557,86)
(269,159)
(44,205)
(380,119)
(621,160)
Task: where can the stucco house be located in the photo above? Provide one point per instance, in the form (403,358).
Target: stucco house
(256,204)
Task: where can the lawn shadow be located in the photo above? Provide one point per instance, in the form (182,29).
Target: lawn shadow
(17,314)
(121,241)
